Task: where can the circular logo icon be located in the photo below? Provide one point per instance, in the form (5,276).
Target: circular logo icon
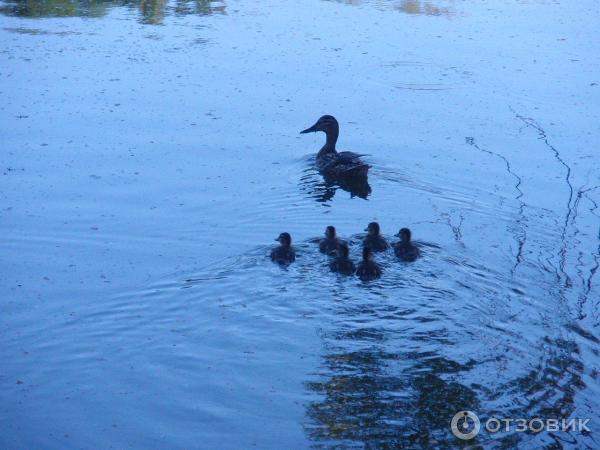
(465,425)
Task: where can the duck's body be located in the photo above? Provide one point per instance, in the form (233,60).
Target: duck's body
(373,239)
(340,164)
(329,161)
(330,243)
(284,254)
(368,269)
(342,263)
(376,243)
(405,249)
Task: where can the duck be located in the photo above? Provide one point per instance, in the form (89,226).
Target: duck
(329,161)
(368,269)
(284,254)
(330,244)
(373,239)
(404,248)
(342,264)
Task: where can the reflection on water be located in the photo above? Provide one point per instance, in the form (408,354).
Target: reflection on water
(151,11)
(154,11)
(374,396)
(427,8)
(323,188)
(404,356)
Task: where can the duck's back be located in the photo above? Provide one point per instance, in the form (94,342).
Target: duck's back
(329,245)
(376,243)
(368,270)
(342,164)
(342,265)
(406,252)
(283,255)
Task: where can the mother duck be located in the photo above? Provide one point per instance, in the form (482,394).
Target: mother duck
(331,163)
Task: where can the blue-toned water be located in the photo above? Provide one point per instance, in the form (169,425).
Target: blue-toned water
(150,156)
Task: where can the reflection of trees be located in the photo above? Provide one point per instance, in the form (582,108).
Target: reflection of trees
(383,398)
(54,8)
(151,11)
(420,7)
(376,392)
(427,8)
(199,7)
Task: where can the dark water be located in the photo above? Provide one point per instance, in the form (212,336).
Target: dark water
(151,155)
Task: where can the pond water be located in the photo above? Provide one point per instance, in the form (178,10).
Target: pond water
(151,155)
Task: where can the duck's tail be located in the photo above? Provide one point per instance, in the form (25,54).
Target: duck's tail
(356,172)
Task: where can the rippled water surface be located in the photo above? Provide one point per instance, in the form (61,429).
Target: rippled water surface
(150,155)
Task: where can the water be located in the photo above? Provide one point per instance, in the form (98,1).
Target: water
(151,155)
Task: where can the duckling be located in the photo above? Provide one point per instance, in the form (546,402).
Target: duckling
(368,269)
(330,244)
(405,249)
(373,239)
(284,254)
(342,264)
(331,163)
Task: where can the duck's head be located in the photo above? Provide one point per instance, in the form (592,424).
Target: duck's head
(330,232)
(367,253)
(404,234)
(285,239)
(373,229)
(326,124)
(343,250)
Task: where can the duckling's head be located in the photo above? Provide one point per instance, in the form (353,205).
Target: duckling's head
(373,229)
(404,234)
(326,124)
(285,239)
(343,250)
(367,254)
(330,232)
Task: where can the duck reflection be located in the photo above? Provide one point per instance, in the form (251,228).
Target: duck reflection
(323,188)
(151,11)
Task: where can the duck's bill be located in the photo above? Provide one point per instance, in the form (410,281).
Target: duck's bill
(310,130)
